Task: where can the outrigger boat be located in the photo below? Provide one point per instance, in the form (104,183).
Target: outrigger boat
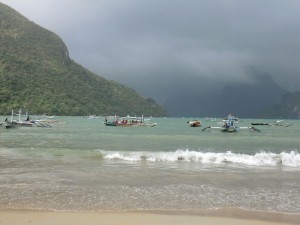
(129,121)
(25,123)
(230,125)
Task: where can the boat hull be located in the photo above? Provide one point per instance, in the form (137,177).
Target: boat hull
(195,123)
(112,124)
(260,124)
(230,129)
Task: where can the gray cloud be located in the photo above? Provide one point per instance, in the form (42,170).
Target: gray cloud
(155,46)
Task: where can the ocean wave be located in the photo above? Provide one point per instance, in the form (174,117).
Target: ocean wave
(291,159)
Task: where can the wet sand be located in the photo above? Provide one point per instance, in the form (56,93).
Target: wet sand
(221,217)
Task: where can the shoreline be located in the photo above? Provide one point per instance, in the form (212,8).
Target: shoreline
(155,217)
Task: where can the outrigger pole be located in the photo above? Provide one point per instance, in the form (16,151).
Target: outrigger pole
(253,128)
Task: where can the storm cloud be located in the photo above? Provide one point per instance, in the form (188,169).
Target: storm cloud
(162,47)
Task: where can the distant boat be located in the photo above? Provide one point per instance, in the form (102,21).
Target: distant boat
(258,124)
(10,124)
(280,123)
(26,122)
(210,119)
(129,121)
(230,125)
(194,123)
(91,117)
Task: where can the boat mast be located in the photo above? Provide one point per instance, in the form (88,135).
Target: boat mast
(12,114)
(20,115)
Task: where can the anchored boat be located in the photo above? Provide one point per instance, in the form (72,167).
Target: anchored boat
(129,121)
(194,123)
(230,124)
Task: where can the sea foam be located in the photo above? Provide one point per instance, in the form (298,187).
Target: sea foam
(291,159)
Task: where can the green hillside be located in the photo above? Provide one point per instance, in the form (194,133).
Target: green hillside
(37,74)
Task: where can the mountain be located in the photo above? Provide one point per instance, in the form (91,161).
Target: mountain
(243,99)
(37,74)
(249,99)
(288,108)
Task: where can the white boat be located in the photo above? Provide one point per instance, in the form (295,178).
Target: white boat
(281,123)
(230,124)
(25,122)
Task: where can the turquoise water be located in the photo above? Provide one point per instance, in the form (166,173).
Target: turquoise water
(81,164)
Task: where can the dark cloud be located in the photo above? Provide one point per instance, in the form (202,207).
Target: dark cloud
(162,46)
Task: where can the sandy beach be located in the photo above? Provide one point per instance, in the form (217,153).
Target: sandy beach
(32,217)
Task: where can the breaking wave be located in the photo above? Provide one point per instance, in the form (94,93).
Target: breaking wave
(290,159)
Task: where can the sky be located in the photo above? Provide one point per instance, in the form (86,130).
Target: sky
(162,47)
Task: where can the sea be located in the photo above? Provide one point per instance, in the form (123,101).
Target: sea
(79,164)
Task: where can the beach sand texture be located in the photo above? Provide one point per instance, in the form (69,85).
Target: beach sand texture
(21,217)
